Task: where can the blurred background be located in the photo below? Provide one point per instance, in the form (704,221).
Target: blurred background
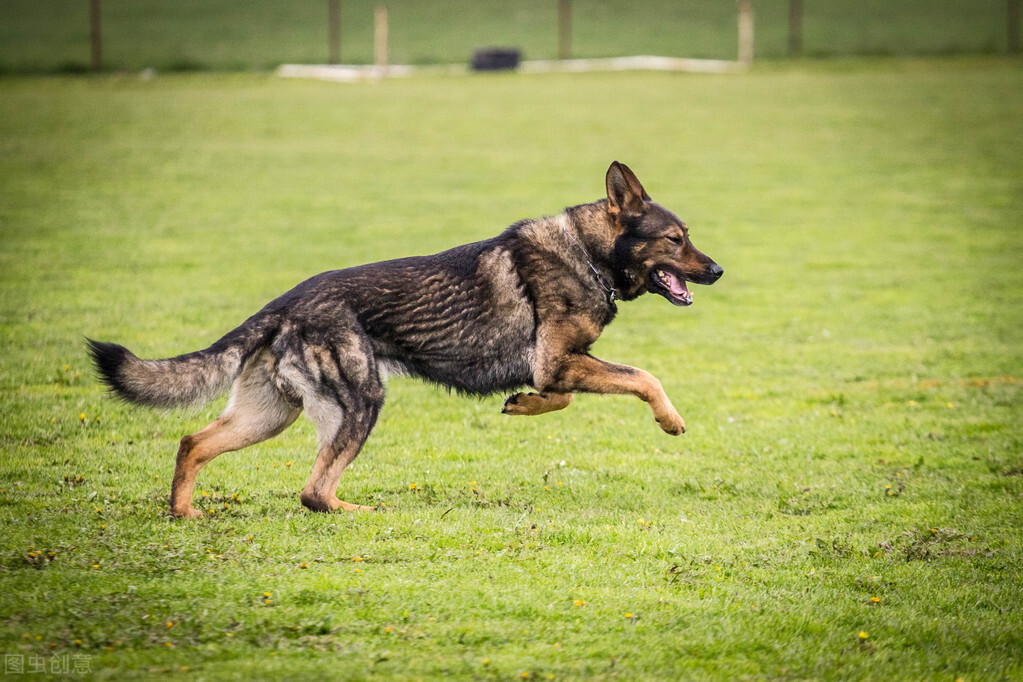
(44,36)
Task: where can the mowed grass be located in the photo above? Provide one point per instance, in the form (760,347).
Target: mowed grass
(185,35)
(846,504)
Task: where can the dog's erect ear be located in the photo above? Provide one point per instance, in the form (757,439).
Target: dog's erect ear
(624,191)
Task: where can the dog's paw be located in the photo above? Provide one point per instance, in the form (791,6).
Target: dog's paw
(536,403)
(672,424)
(518,404)
(345,506)
(190,513)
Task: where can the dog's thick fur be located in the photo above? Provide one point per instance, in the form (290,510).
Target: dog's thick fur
(519,310)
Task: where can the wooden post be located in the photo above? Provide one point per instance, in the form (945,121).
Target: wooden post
(333,31)
(1014,20)
(380,37)
(746,31)
(564,29)
(795,28)
(95,41)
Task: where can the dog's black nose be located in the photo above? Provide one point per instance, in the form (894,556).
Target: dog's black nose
(716,271)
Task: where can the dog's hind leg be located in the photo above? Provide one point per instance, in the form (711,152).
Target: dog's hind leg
(532,404)
(256,411)
(343,430)
(334,371)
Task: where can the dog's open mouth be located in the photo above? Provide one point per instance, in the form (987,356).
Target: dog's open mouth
(671,286)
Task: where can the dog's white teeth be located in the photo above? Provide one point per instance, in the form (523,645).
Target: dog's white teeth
(660,273)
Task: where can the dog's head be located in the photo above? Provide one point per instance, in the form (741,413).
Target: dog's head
(652,250)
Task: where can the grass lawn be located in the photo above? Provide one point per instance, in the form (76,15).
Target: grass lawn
(846,505)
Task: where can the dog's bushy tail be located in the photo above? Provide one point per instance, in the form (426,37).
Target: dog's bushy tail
(190,379)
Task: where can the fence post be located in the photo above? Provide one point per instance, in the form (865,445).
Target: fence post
(95,40)
(795,27)
(564,29)
(333,31)
(746,31)
(1014,20)
(380,37)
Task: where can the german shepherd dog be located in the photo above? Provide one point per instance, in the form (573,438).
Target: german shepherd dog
(519,310)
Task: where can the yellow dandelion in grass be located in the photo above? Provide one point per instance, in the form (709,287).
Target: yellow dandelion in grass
(579,602)
(81,417)
(628,615)
(168,645)
(95,565)
(486,661)
(170,623)
(863,636)
(411,486)
(875,600)
(304,565)
(288,463)
(388,629)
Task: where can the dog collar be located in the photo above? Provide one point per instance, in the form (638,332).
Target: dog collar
(609,291)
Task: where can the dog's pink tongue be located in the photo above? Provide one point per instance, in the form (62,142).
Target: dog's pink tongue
(678,287)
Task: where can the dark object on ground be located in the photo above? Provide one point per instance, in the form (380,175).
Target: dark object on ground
(496,59)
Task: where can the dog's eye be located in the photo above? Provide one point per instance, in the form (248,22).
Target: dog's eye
(675,239)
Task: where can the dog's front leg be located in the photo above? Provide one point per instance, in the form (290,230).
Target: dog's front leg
(533,404)
(577,372)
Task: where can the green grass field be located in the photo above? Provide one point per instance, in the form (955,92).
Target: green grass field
(846,505)
(182,35)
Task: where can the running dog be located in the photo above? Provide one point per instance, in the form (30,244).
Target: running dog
(519,310)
